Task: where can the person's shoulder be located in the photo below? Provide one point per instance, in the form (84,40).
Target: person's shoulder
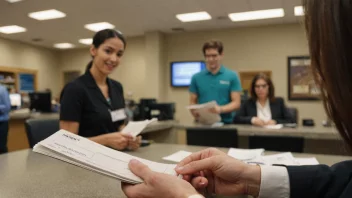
(230,71)
(76,85)
(200,74)
(279,99)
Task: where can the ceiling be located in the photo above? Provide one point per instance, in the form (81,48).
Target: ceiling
(132,17)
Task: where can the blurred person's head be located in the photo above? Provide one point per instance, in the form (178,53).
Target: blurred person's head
(329,30)
(262,88)
(213,54)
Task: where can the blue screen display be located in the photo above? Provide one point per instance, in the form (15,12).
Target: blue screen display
(182,72)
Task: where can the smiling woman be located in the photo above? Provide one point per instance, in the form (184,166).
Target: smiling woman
(93,105)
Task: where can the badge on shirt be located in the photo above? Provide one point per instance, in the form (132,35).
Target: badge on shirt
(118,115)
(224,82)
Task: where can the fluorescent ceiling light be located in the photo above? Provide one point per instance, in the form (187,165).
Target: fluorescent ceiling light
(12,29)
(255,15)
(63,45)
(47,15)
(13,1)
(87,41)
(299,11)
(96,27)
(195,16)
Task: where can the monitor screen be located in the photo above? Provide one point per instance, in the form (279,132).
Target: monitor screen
(40,101)
(182,72)
(15,99)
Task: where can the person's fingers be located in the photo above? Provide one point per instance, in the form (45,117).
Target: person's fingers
(132,190)
(196,166)
(139,169)
(199,155)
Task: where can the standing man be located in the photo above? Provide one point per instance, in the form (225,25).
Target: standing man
(5,107)
(216,83)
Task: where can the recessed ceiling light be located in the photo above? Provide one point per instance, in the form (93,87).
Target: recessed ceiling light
(63,45)
(12,29)
(195,16)
(255,15)
(87,41)
(299,11)
(47,15)
(13,1)
(96,27)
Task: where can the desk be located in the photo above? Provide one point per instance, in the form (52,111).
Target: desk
(17,138)
(28,174)
(318,139)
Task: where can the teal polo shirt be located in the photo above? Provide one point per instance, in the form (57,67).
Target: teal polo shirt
(218,87)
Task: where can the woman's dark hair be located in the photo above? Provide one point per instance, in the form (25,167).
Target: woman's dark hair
(103,35)
(271,94)
(329,30)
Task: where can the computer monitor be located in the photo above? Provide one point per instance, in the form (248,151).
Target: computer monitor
(15,100)
(162,111)
(40,101)
(182,72)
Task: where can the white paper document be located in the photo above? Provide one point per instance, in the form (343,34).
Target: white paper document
(283,159)
(245,154)
(277,126)
(178,156)
(134,128)
(205,116)
(85,153)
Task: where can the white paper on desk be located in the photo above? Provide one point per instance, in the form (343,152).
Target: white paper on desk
(178,156)
(307,161)
(85,153)
(282,158)
(134,128)
(205,116)
(277,126)
(245,154)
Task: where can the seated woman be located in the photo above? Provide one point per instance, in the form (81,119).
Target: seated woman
(263,108)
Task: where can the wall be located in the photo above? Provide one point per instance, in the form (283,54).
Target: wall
(246,49)
(45,61)
(131,71)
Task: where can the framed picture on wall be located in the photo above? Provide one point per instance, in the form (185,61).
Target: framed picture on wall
(301,85)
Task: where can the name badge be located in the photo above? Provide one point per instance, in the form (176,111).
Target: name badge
(118,115)
(223,82)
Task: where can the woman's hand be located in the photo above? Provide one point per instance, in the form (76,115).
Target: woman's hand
(135,143)
(117,140)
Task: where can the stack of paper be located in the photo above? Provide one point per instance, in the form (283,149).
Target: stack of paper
(245,154)
(205,116)
(134,128)
(277,126)
(178,156)
(283,159)
(82,152)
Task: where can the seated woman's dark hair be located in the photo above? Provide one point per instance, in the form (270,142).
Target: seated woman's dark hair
(103,35)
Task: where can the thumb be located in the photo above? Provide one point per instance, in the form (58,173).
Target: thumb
(139,169)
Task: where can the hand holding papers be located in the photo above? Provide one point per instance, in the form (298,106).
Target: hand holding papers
(205,116)
(87,154)
(135,128)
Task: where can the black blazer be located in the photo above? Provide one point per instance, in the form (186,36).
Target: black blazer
(321,181)
(279,112)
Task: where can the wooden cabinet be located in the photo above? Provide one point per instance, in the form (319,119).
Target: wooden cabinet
(18,79)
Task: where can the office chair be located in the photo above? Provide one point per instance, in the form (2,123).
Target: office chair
(215,137)
(39,129)
(294,112)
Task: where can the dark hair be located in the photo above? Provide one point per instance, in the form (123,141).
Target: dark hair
(271,94)
(329,30)
(101,36)
(213,45)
